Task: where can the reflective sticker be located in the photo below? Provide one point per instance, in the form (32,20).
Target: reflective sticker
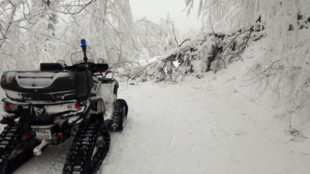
(95,86)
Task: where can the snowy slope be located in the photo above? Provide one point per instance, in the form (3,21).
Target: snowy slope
(198,126)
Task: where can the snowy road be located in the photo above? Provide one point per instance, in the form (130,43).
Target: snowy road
(196,127)
(190,129)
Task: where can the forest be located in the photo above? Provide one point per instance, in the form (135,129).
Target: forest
(47,30)
(249,64)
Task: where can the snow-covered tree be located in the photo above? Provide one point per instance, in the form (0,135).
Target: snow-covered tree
(283,69)
(106,25)
(28,30)
(9,34)
(156,38)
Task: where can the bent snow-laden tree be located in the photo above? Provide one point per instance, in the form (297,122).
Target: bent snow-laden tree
(208,51)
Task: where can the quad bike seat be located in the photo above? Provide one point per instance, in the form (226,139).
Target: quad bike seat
(51,67)
(107,80)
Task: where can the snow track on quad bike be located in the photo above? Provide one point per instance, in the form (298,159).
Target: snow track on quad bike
(13,151)
(119,117)
(87,152)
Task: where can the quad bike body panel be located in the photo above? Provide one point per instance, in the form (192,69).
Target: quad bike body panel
(46,86)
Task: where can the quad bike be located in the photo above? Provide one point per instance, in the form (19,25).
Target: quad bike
(49,106)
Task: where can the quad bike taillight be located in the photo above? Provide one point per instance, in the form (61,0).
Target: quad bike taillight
(10,107)
(8,77)
(60,135)
(73,106)
(77,106)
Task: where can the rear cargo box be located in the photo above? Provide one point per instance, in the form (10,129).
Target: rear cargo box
(46,86)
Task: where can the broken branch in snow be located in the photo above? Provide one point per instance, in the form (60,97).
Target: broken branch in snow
(183,42)
(221,57)
(205,53)
(211,24)
(251,29)
(176,41)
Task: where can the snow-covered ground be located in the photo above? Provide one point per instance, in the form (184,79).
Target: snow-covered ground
(202,126)
(197,126)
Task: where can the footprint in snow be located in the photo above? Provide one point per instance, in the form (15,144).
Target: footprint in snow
(239,132)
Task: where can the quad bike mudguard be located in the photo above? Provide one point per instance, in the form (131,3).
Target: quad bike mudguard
(108,91)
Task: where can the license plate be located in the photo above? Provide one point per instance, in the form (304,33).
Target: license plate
(43,134)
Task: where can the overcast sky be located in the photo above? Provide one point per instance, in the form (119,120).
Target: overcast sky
(153,10)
